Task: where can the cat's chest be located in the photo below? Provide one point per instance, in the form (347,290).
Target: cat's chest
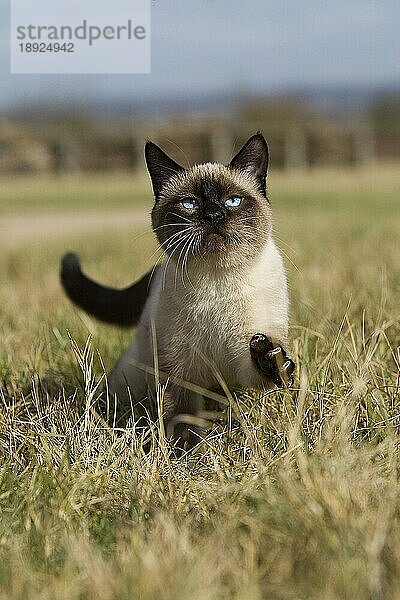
(211,325)
(211,319)
(217,308)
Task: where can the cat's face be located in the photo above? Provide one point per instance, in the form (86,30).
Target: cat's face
(211,209)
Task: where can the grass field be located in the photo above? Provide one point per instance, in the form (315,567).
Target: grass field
(295,496)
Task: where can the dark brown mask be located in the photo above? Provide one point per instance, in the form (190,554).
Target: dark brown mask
(211,209)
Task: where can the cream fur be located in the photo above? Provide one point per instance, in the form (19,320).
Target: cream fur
(205,326)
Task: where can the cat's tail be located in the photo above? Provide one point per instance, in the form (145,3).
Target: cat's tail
(118,307)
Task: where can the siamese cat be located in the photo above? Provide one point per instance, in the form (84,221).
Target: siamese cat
(216,309)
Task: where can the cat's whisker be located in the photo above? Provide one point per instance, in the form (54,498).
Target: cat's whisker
(166,264)
(198,246)
(166,243)
(290,260)
(159,259)
(169,260)
(189,250)
(281,241)
(154,269)
(159,250)
(176,234)
(176,246)
(192,249)
(186,258)
(177,267)
(179,257)
(170,241)
(168,225)
(146,231)
(171,244)
(182,217)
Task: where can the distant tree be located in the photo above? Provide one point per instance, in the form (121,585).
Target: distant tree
(384,111)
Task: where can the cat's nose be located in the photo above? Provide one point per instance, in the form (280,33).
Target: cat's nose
(214,214)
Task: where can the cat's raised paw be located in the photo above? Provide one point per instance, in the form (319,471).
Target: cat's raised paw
(271,360)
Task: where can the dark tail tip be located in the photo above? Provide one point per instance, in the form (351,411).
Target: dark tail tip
(70,264)
(71,275)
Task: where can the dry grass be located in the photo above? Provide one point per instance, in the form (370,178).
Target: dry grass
(295,496)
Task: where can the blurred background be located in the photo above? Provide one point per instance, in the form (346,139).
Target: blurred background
(320,79)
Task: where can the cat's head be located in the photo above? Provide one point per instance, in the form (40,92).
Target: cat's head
(210,208)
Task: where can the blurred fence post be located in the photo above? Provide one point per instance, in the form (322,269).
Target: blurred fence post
(295,148)
(136,162)
(220,141)
(65,154)
(363,142)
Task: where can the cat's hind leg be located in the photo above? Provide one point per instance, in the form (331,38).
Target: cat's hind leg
(128,385)
(183,423)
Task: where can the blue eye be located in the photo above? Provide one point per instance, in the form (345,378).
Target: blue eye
(233,202)
(189,203)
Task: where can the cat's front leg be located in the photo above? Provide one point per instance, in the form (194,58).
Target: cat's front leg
(271,360)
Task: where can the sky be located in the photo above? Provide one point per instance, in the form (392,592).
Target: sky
(203,47)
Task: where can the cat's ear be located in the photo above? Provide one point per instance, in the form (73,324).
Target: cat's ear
(253,158)
(160,166)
